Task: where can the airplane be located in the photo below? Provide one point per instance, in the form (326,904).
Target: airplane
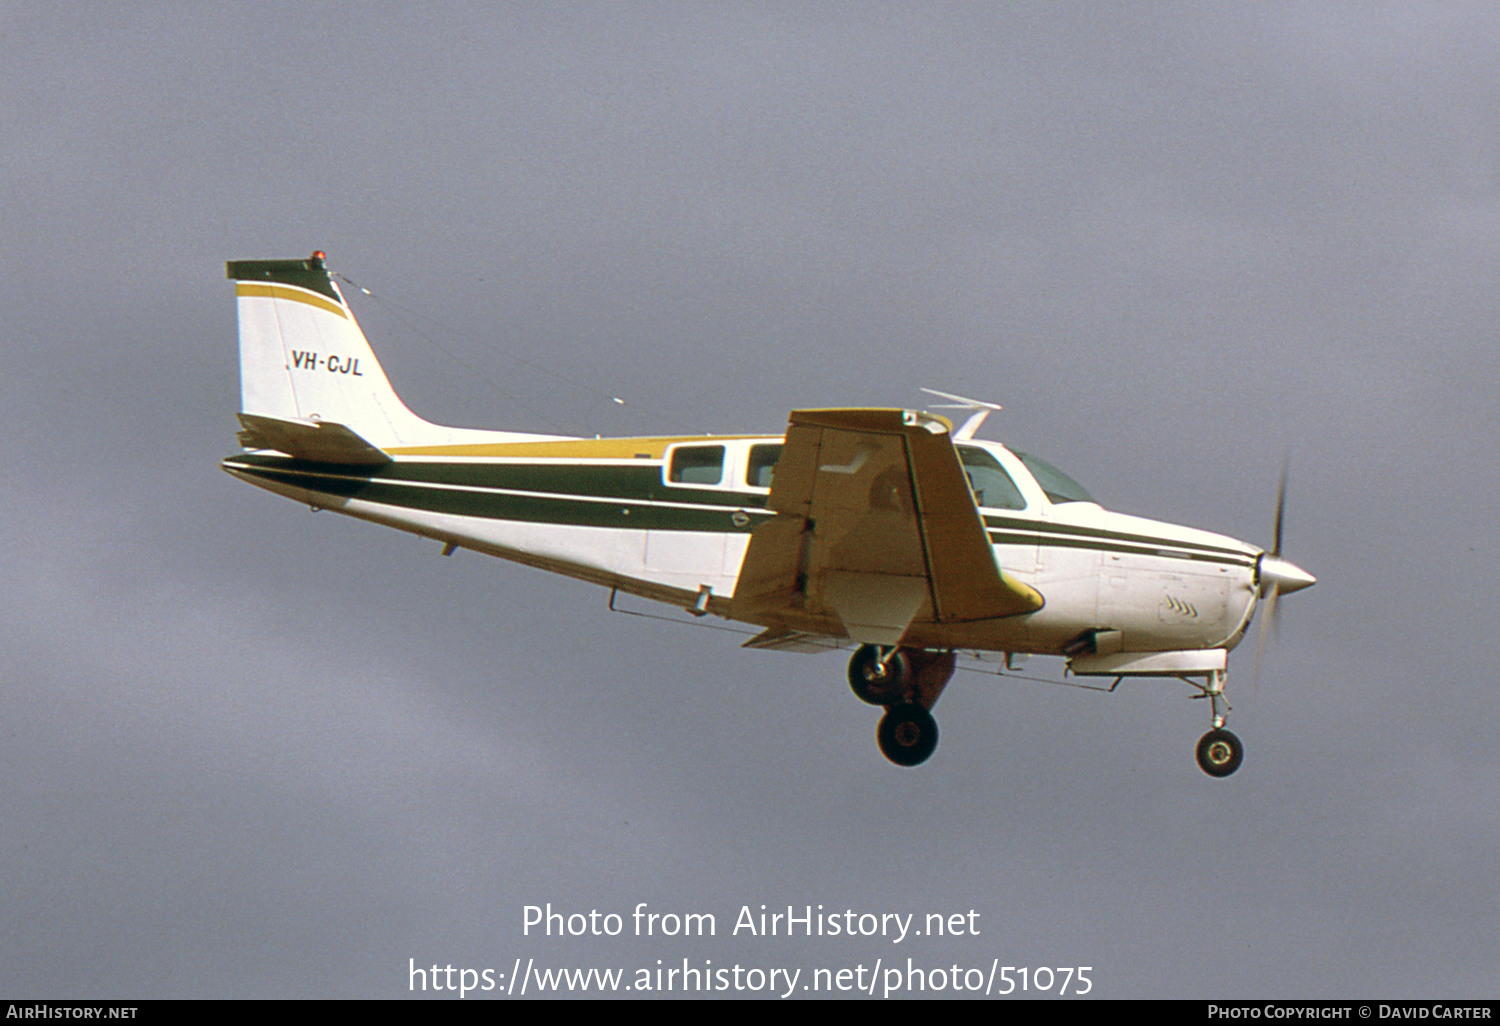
(883,529)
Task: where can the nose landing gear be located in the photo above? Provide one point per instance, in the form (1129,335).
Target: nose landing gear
(1219,752)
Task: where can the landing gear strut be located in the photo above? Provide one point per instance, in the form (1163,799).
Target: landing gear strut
(907,681)
(879,676)
(1219,751)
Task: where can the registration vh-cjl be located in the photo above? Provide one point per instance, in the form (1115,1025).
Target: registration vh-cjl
(886,531)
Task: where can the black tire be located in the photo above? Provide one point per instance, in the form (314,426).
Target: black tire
(908,734)
(1219,753)
(872,685)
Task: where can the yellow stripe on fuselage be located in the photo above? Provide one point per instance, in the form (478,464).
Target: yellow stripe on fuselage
(570,448)
(296,295)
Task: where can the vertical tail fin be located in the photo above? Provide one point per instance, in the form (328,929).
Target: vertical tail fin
(304,357)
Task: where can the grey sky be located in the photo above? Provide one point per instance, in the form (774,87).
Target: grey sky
(256,752)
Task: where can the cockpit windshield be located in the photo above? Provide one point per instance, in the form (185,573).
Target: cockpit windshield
(991,485)
(1057,486)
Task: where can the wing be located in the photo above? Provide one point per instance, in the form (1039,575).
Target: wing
(875,528)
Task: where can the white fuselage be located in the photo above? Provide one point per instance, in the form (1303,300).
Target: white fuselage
(620,522)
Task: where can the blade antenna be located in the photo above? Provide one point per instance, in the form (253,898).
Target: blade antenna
(959,402)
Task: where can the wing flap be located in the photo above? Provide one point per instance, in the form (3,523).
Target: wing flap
(775,640)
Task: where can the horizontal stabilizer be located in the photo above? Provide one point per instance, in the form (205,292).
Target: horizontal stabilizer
(314,440)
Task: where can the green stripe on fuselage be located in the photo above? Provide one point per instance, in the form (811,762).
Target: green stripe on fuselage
(640,482)
(587,496)
(1048,533)
(632,495)
(1096,544)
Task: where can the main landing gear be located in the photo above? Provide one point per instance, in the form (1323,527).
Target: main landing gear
(907,682)
(1219,752)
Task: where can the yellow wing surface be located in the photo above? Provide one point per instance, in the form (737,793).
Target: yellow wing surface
(875,529)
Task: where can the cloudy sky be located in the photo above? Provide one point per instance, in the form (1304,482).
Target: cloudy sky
(252,751)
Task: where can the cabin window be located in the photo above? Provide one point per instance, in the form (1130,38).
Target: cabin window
(697,464)
(762,465)
(1059,487)
(991,485)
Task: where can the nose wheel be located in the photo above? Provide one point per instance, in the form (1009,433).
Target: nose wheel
(1219,753)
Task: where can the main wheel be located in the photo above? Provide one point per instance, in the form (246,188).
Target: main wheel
(877,683)
(1219,753)
(908,734)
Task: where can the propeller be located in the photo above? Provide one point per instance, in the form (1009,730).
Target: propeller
(1275,576)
